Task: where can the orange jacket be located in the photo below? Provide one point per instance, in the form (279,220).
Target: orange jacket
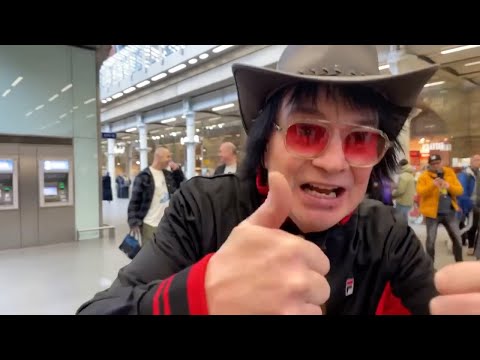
(430,194)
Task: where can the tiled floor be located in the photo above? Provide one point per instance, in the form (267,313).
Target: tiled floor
(57,279)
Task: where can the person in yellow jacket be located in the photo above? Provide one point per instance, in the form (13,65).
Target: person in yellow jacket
(438,188)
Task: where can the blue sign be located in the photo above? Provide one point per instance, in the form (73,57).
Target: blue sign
(109,135)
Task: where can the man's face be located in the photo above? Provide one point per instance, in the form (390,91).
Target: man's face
(328,171)
(436,165)
(475,161)
(225,153)
(164,157)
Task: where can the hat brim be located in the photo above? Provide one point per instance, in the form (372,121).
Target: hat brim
(254,84)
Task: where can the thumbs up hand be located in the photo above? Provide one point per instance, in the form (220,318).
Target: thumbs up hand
(263,270)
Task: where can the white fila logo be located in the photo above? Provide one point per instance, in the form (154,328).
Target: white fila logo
(349,287)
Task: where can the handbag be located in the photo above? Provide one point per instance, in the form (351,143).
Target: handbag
(131,244)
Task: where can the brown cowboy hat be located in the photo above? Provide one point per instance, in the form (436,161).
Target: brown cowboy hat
(329,64)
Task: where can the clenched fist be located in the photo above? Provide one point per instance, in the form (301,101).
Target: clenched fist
(263,270)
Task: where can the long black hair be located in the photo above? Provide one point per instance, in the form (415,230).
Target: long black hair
(390,120)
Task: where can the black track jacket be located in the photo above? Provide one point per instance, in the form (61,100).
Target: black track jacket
(374,247)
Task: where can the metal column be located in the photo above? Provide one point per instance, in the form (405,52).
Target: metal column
(142,141)
(190,143)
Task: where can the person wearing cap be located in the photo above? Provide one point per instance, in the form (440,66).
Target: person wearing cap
(438,187)
(293,232)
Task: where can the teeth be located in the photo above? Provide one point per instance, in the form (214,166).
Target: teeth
(330,195)
(319,189)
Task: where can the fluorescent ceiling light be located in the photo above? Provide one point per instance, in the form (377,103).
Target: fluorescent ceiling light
(75,107)
(53,97)
(184,117)
(89,101)
(472,63)
(384,67)
(221,48)
(39,107)
(131,129)
(129,90)
(459,48)
(203,56)
(117,95)
(143,83)
(223,107)
(17,80)
(6,92)
(435,83)
(177,68)
(168,120)
(62,116)
(90,116)
(193,61)
(155,131)
(29,113)
(104,101)
(159,76)
(67,87)
(109,99)
(214,118)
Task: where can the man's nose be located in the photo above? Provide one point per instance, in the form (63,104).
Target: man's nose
(332,160)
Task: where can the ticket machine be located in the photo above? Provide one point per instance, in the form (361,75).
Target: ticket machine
(8,184)
(56,182)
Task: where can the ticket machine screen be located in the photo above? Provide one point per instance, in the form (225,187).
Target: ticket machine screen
(56,178)
(55,187)
(6,183)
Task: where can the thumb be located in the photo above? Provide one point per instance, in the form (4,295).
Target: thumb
(276,208)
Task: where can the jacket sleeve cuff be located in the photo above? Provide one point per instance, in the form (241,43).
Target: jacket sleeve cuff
(180,294)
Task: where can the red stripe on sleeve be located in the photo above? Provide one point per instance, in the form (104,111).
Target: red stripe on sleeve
(156,299)
(389,304)
(196,295)
(166,299)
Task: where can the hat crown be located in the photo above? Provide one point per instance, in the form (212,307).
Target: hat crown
(330,60)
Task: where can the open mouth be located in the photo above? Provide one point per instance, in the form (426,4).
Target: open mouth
(322,192)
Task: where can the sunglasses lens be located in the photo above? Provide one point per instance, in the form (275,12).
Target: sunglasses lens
(306,139)
(363,148)
(360,147)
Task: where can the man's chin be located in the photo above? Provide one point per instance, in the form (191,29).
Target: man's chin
(316,220)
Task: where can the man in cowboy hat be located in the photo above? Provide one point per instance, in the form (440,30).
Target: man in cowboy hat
(293,233)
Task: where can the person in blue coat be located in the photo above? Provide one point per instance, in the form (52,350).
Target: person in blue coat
(465,202)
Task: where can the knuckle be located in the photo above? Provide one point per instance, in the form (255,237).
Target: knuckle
(298,283)
(326,289)
(291,248)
